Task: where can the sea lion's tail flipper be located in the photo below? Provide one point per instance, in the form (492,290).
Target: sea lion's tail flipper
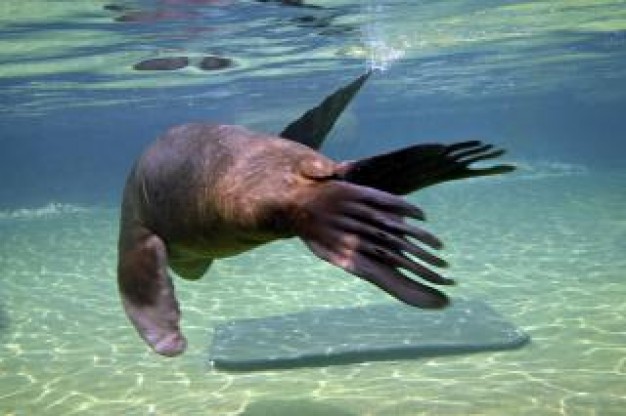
(364,231)
(416,167)
(147,291)
(312,128)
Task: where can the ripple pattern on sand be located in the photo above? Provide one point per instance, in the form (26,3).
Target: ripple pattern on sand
(546,254)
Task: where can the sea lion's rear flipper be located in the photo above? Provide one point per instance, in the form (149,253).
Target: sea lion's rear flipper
(147,291)
(416,167)
(312,128)
(364,231)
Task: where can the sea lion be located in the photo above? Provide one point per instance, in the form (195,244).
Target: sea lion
(203,192)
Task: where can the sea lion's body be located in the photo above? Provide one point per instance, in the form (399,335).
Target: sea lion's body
(203,191)
(213,191)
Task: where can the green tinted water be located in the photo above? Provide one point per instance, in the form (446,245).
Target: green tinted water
(544,248)
(541,251)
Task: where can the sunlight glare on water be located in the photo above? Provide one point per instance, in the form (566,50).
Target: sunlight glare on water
(380,54)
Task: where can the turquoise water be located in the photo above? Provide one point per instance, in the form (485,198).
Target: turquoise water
(542,246)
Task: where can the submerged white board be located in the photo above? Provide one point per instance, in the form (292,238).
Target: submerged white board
(394,331)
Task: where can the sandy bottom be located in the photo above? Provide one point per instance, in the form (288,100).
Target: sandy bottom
(544,252)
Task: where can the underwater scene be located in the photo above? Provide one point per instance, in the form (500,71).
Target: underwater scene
(537,321)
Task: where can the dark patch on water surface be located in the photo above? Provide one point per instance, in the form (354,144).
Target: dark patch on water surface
(142,16)
(324,21)
(213,63)
(292,3)
(208,63)
(115,7)
(162,64)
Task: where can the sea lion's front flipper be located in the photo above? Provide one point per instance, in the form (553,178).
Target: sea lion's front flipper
(416,167)
(312,128)
(364,231)
(147,291)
